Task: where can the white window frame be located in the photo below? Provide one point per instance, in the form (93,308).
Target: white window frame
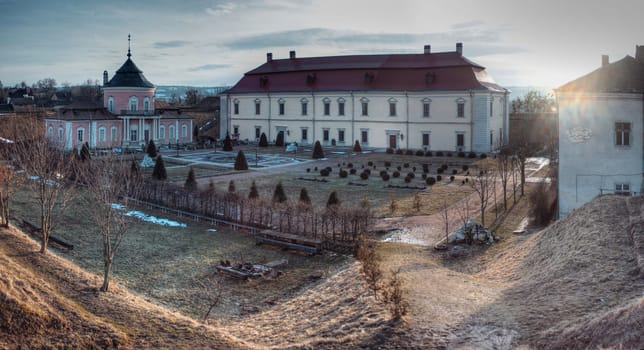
(80,135)
(341,110)
(162,132)
(184,130)
(171,132)
(429,139)
(113,134)
(236,107)
(110,104)
(326,135)
(304,103)
(364,140)
(61,134)
(258,106)
(341,131)
(364,107)
(393,108)
(619,141)
(102,134)
(281,106)
(623,188)
(304,132)
(460,107)
(426,102)
(146,104)
(326,106)
(133,104)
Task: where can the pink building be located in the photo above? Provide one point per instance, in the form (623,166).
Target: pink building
(127,117)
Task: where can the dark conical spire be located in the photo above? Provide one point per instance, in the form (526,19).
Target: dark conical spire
(128,46)
(129,74)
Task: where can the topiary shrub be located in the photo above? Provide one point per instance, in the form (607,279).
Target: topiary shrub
(399,168)
(370,163)
(152,149)
(263,141)
(308,170)
(353,171)
(400,151)
(429,154)
(424,176)
(191,182)
(413,169)
(409,152)
(396,174)
(228,143)
(279,141)
(439,178)
(471,155)
(390,151)
(279,196)
(304,197)
(364,175)
(411,175)
(368,171)
(350,165)
(444,166)
(159,172)
(420,153)
(356,147)
(448,154)
(440,154)
(383,172)
(451,178)
(465,167)
(483,155)
(333,200)
(324,172)
(405,165)
(407,179)
(317,150)
(387,163)
(440,170)
(461,154)
(343,173)
(430,180)
(240,161)
(385,177)
(454,171)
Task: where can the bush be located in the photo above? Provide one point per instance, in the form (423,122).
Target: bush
(382,172)
(424,176)
(399,168)
(152,149)
(454,171)
(451,178)
(440,170)
(353,171)
(429,154)
(440,154)
(543,204)
(240,161)
(368,171)
(364,175)
(333,200)
(439,178)
(308,170)
(389,151)
(430,180)
(461,154)
(471,155)
(444,166)
(304,197)
(465,167)
(370,163)
(329,169)
(448,154)
(317,151)
(324,172)
(343,173)
(425,168)
(356,147)
(387,163)
(385,177)
(409,152)
(279,196)
(483,155)
(350,165)
(279,141)
(399,151)
(338,165)
(420,153)
(405,165)
(253,194)
(396,174)
(228,143)
(407,179)
(316,169)
(411,175)
(159,172)
(191,182)
(263,141)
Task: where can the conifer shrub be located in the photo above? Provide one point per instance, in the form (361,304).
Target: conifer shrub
(279,196)
(430,180)
(407,179)
(411,175)
(231,187)
(304,197)
(240,161)
(151,150)
(159,172)
(263,140)
(191,181)
(343,174)
(356,147)
(317,151)
(396,174)
(352,171)
(451,178)
(364,175)
(333,200)
(385,177)
(279,141)
(324,172)
(84,152)
(228,143)
(253,194)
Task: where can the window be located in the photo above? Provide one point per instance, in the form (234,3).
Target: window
(341,135)
(281,106)
(133,135)
(80,135)
(365,108)
(171,132)
(161,132)
(622,134)
(184,130)
(460,139)
(146,104)
(392,107)
(491,108)
(134,104)
(110,104)
(305,135)
(305,107)
(426,102)
(425,139)
(235,107)
(460,108)
(623,189)
(101,134)
(501,136)
(60,135)
(364,136)
(236,130)
(258,109)
(491,137)
(341,106)
(258,132)
(50,133)
(325,135)
(327,108)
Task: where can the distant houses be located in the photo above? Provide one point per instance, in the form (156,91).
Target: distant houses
(601,127)
(427,101)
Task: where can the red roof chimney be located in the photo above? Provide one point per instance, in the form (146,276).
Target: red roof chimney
(427,49)
(269,57)
(105,80)
(291,54)
(459,48)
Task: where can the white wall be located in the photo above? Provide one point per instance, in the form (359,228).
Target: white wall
(589,160)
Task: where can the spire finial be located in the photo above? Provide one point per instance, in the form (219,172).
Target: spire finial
(128,46)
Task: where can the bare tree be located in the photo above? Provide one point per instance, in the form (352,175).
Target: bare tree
(211,289)
(464,214)
(445,217)
(50,177)
(8,181)
(108,180)
(483,184)
(504,168)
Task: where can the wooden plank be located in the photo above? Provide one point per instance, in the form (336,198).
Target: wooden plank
(233,272)
(290,237)
(298,247)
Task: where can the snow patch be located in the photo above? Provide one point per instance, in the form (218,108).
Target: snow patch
(148,218)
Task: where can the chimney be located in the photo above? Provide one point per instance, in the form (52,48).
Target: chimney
(459,48)
(291,54)
(427,49)
(639,52)
(604,60)
(269,57)
(104,77)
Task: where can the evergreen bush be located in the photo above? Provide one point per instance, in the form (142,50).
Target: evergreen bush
(263,141)
(240,161)
(317,151)
(159,172)
(228,143)
(356,147)
(279,196)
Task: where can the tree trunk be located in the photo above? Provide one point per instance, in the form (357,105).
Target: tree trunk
(107,267)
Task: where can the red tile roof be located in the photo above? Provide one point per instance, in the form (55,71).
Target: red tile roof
(625,75)
(396,72)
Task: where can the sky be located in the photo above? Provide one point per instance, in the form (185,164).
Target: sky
(214,42)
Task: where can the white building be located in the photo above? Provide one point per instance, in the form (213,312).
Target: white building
(601,127)
(431,101)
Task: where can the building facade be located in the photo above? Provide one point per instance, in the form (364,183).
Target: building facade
(601,131)
(431,101)
(126,117)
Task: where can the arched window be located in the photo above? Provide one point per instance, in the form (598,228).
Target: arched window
(101,134)
(161,132)
(134,103)
(80,135)
(171,132)
(50,133)
(60,135)
(184,130)
(113,134)
(110,104)
(146,104)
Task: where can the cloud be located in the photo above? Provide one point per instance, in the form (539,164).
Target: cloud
(468,24)
(170,44)
(280,39)
(209,67)
(221,9)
